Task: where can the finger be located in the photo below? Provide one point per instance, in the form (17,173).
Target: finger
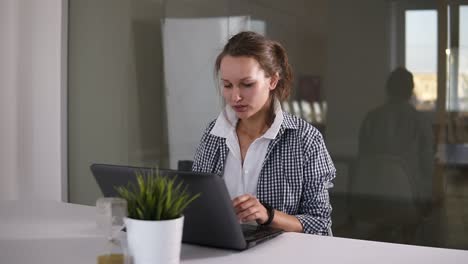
(252,217)
(240,199)
(245,205)
(248,212)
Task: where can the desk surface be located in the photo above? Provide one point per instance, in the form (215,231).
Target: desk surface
(71,237)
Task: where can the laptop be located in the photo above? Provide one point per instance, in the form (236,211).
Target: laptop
(209,221)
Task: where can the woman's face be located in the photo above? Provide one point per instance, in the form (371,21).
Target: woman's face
(245,87)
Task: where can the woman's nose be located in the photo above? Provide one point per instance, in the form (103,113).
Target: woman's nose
(235,94)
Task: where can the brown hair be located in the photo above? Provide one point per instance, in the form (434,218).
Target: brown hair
(268,53)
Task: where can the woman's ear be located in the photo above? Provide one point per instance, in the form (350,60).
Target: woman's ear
(274,81)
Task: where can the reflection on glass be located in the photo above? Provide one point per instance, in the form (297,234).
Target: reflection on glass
(392,186)
(139,95)
(463,60)
(421,55)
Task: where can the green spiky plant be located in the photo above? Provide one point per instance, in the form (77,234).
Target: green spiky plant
(155,197)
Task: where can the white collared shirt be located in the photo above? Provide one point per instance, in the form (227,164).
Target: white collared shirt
(243,179)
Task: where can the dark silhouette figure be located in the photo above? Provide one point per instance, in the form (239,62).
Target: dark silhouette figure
(393,179)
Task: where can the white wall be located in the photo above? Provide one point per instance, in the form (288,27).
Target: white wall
(32,99)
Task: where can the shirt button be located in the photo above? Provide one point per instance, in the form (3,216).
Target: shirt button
(246,172)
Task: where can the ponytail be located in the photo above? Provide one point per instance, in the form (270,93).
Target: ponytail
(284,86)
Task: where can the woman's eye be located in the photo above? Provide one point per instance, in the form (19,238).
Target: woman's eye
(248,84)
(227,85)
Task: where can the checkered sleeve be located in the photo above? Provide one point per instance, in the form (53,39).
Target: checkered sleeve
(204,149)
(319,171)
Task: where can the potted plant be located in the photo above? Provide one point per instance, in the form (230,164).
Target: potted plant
(155,221)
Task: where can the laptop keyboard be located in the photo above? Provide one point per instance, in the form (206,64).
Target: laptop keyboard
(255,232)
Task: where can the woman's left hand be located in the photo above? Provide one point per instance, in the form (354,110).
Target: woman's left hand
(249,208)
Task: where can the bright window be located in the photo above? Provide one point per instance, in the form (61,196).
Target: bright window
(421,55)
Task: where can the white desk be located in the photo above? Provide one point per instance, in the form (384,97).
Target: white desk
(66,233)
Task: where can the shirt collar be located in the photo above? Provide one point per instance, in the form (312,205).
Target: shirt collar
(227,121)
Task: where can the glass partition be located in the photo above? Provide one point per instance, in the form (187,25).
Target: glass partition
(142,90)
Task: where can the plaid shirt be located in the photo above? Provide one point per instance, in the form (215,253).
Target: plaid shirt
(295,175)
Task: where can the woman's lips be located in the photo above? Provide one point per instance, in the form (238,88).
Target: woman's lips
(240,108)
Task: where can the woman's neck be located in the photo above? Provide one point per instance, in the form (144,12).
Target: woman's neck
(258,124)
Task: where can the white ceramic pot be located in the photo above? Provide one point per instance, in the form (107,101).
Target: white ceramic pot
(154,242)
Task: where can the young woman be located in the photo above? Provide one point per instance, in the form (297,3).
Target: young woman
(275,165)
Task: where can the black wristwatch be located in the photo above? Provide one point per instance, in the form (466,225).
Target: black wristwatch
(270,212)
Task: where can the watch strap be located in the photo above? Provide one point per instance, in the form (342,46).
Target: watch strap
(271,213)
